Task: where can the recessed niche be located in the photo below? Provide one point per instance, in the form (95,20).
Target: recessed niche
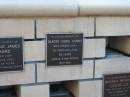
(59,89)
(8,91)
(118,46)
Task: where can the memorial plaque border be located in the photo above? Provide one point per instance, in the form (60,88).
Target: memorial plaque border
(103,80)
(63,33)
(23,56)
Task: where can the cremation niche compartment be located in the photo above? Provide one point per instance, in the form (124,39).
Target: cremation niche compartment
(64,49)
(8,91)
(115,68)
(59,89)
(118,46)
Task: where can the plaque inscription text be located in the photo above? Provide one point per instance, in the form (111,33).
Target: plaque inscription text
(117,85)
(11,54)
(64,49)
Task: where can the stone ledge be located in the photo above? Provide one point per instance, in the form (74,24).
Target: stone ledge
(16,8)
(104,7)
(38,8)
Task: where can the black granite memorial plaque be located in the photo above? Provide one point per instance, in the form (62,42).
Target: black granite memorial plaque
(117,85)
(64,49)
(11,54)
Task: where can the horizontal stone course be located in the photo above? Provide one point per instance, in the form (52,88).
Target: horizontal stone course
(112,26)
(11,27)
(61,25)
(20,77)
(35,50)
(112,66)
(64,8)
(86,88)
(38,8)
(61,73)
(104,7)
(41,90)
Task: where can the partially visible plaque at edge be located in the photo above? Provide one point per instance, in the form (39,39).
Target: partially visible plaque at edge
(11,54)
(64,49)
(117,85)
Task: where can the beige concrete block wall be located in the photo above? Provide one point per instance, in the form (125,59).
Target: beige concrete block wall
(36,70)
(94,48)
(19,77)
(61,73)
(83,25)
(34,50)
(112,26)
(11,27)
(86,88)
(36,90)
(25,28)
(112,65)
(89,75)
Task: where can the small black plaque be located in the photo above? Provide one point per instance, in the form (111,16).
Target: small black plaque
(64,49)
(11,54)
(117,85)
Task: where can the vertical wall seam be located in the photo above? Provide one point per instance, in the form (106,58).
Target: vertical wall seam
(94,37)
(35,30)
(94,69)
(94,27)
(35,73)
